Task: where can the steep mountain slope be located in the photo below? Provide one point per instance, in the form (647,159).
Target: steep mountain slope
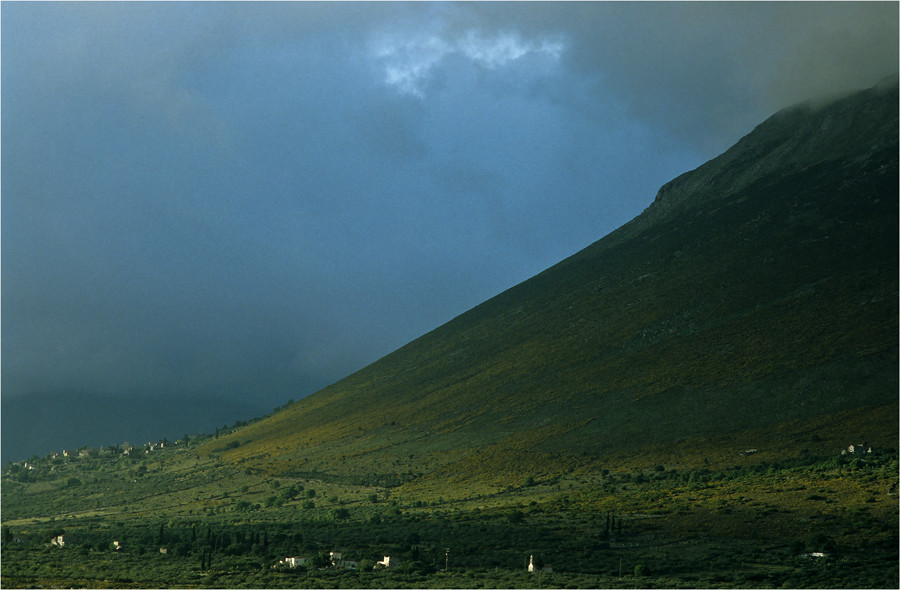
(754,302)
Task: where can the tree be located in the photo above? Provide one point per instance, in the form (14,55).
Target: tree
(341,514)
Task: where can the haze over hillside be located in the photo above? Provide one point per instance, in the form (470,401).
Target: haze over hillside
(53,422)
(754,303)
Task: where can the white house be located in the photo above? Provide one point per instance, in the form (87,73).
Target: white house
(59,541)
(387,562)
(293,562)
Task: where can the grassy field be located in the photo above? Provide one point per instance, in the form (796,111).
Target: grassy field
(747,523)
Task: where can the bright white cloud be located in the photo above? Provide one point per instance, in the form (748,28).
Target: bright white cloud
(498,51)
(407,63)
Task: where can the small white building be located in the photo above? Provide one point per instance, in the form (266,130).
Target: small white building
(117,545)
(533,568)
(387,562)
(293,562)
(58,541)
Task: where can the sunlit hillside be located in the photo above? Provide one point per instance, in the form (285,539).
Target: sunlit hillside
(753,304)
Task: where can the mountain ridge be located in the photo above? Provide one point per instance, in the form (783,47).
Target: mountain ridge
(653,320)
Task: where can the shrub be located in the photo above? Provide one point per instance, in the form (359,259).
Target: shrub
(340,513)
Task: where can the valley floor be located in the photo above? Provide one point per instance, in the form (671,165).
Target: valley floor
(179,519)
(816,522)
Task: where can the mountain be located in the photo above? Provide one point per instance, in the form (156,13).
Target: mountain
(706,397)
(754,303)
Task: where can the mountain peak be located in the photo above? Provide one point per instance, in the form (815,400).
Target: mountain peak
(792,139)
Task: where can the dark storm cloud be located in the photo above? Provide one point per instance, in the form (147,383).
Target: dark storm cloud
(707,70)
(253,200)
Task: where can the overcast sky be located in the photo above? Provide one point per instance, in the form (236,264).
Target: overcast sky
(253,200)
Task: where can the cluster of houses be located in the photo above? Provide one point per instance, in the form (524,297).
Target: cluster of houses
(336,558)
(58,541)
(338,562)
(61,540)
(858,449)
(124,449)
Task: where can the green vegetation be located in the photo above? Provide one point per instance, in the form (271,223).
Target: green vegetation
(750,524)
